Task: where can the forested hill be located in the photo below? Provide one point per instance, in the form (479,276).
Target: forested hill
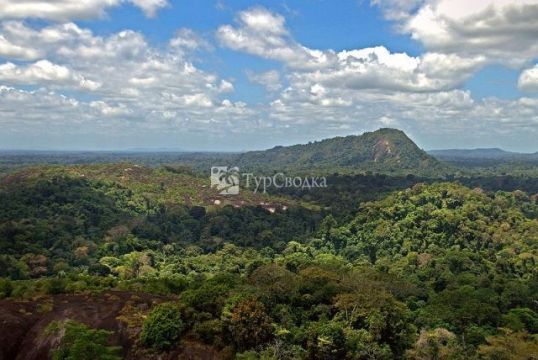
(384,150)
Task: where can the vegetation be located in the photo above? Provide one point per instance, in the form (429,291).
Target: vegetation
(378,267)
(162,327)
(385,150)
(79,342)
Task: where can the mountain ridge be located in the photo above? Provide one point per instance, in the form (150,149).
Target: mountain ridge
(384,150)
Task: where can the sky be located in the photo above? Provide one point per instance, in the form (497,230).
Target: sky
(235,75)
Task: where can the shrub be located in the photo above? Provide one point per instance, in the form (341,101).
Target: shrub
(208,330)
(162,327)
(80,342)
(6,287)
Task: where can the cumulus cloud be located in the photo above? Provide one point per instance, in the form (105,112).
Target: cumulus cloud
(528,80)
(448,115)
(150,7)
(503,30)
(67,10)
(270,80)
(263,33)
(378,68)
(45,72)
(361,89)
(138,85)
(136,88)
(187,39)
(10,50)
(75,53)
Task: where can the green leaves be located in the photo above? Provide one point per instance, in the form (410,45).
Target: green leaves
(162,328)
(80,342)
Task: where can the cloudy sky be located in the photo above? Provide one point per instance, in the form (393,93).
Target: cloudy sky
(240,75)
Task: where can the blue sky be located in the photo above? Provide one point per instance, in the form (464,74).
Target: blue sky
(316,24)
(241,75)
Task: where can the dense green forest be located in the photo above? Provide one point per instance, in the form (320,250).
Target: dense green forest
(376,267)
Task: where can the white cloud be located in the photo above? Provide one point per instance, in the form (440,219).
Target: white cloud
(188,40)
(451,115)
(226,86)
(45,72)
(528,80)
(397,9)
(110,110)
(122,60)
(263,33)
(503,30)
(67,10)
(197,100)
(270,80)
(378,68)
(10,50)
(136,84)
(337,92)
(137,88)
(150,7)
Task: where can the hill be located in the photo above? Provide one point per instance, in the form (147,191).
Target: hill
(385,150)
(445,217)
(65,215)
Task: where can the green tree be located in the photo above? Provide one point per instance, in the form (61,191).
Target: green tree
(80,342)
(326,341)
(162,327)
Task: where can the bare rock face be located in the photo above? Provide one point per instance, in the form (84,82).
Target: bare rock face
(23,323)
(24,335)
(15,322)
(382,149)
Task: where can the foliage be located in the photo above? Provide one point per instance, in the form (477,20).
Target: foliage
(249,324)
(162,327)
(79,342)
(387,267)
(326,341)
(384,150)
(510,345)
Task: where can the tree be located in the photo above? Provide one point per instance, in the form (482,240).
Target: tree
(521,319)
(249,324)
(326,341)
(510,346)
(436,344)
(162,327)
